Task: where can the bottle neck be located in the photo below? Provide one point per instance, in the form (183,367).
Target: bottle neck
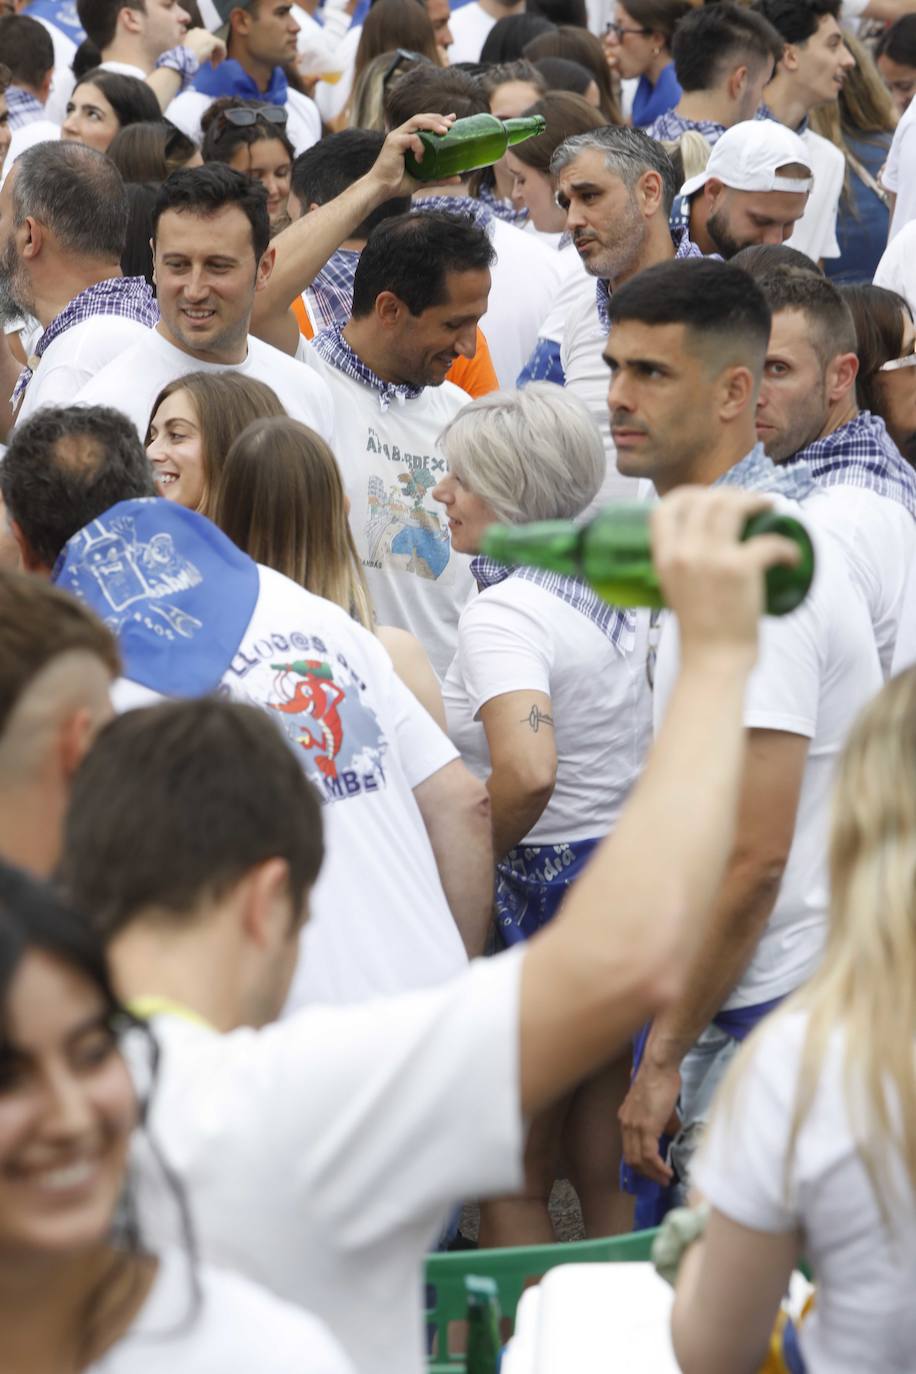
(526,126)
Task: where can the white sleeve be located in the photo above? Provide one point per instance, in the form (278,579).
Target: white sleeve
(784,689)
(896,271)
(900,175)
(740,1168)
(417,1098)
(502,647)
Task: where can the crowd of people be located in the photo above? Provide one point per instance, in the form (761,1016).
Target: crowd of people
(355,887)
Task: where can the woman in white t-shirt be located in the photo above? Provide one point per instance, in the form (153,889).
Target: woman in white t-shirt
(812,1150)
(547,700)
(78,1292)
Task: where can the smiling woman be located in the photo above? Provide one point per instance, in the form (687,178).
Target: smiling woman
(193,424)
(74,1294)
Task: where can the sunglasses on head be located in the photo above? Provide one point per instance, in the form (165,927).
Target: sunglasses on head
(400,57)
(245,118)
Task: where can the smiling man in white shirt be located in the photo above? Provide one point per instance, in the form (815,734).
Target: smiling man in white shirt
(211,239)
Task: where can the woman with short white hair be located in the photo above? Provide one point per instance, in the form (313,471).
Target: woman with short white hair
(547,700)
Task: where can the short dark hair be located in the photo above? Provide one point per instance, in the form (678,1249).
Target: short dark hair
(38,623)
(77,193)
(434,90)
(333,164)
(66,466)
(27,49)
(832,328)
(721,307)
(157,817)
(131,99)
(899,41)
(412,255)
(206,190)
(878,318)
(796,20)
(510,36)
(710,42)
(763,259)
(100,18)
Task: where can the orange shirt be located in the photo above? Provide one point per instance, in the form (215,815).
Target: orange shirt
(474,375)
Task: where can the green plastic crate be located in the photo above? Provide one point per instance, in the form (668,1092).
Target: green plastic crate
(512,1270)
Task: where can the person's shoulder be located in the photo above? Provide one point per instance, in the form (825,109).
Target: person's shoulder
(323,616)
(110,333)
(822,148)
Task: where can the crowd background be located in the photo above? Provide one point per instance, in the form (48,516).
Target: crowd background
(354,888)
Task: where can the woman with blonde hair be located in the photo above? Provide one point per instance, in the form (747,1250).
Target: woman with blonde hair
(547,702)
(281,500)
(861,123)
(192,425)
(812,1148)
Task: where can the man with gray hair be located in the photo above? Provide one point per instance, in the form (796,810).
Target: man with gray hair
(617,187)
(63,221)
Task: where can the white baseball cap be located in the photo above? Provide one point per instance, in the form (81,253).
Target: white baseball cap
(748,157)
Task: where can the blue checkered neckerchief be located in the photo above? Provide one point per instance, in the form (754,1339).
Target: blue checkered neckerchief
(861,453)
(503,209)
(332,347)
(757,472)
(764,112)
(684,247)
(331,290)
(481,214)
(671,126)
(23,107)
(617,625)
(130,298)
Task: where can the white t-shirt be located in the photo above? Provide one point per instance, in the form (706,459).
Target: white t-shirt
(581,350)
(382,744)
(70,361)
(526,280)
(390,461)
(322,1154)
(815,671)
(878,536)
(238,1328)
(897,269)
(303,122)
(134,380)
(63,81)
(470,26)
(815,232)
(864,1317)
(331,96)
(575,285)
(897,174)
(905,653)
(517,636)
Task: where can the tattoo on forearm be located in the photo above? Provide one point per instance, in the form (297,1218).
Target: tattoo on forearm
(536,718)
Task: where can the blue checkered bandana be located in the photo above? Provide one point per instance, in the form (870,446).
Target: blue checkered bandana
(619,626)
(861,453)
(332,347)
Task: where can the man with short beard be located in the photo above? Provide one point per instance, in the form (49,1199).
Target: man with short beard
(807,417)
(63,220)
(617,186)
(753,190)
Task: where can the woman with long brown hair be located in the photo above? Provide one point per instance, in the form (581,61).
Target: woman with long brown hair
(192,425)
(280,498)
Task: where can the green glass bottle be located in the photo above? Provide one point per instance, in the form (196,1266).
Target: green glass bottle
(613,554)
(484,1339)
(478,141)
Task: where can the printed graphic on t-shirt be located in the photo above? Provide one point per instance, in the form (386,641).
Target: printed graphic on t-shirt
(319,703)
(404,529)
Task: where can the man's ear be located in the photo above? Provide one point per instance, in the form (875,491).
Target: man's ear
(841,375)
(389,308)
(650,193)
(265,268)
(265,900)
(737,82)
(30,561)
(738,388)
(789,59)
(130,19)
(31,235)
